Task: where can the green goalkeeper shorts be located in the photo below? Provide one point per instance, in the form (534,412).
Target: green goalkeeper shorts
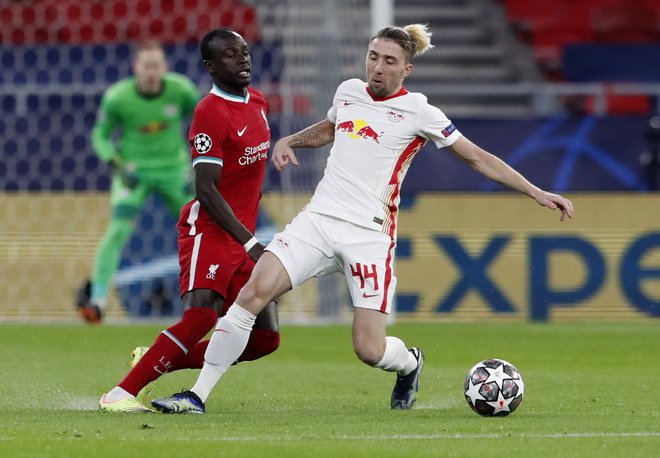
(174,185)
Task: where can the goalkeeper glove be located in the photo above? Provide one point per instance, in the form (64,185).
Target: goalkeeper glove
(125,172)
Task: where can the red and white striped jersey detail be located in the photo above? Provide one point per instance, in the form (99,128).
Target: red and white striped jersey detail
(375,140)
(398,174)
(388,276)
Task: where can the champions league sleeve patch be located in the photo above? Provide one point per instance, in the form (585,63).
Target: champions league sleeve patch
(447,131)
(202,143)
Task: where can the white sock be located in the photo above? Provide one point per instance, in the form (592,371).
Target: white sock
(397,357)
(117,394)
(227,344)
(100,303)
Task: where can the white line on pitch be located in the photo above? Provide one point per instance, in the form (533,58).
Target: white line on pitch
(427,436)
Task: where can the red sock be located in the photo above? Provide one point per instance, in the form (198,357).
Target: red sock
(261,343)
(195,323)
(194,359)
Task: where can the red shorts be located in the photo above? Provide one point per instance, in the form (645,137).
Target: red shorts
(213,260)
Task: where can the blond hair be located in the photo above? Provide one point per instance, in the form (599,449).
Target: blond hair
(149,45)
(415,39)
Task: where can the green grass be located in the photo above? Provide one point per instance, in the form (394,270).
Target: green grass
(591,390)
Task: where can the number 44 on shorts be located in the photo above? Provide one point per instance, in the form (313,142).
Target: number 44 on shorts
(364,273)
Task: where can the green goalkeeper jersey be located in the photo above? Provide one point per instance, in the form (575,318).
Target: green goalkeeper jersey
(151,130)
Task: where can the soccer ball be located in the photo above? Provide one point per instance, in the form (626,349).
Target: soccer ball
(494,387)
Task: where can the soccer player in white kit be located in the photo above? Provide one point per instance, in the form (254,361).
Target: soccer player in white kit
(350,224)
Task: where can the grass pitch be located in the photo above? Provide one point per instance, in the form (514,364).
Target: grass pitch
(591,390)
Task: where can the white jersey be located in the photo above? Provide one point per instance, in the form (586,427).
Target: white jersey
(375,142)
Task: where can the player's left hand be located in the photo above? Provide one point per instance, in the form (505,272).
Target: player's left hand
(554,202)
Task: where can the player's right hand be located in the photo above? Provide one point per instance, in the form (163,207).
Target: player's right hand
(129,179)
(125,172)
(283,155)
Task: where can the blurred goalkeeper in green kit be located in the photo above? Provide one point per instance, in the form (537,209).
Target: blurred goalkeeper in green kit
(150,156)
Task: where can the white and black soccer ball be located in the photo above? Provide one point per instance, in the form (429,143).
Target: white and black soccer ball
(494,387)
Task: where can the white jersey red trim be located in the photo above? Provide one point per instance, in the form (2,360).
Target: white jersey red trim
(376,140)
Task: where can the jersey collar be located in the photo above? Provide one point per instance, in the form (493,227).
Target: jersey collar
(231,97)
(402,91)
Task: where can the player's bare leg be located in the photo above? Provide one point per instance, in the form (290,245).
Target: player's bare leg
(374,347)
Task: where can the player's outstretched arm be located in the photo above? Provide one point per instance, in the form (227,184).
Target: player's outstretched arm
(497,170)
(317,135)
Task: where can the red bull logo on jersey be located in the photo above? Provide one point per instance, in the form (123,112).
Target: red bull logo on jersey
(358,128)
(153,127)
(346,126)
(395,116)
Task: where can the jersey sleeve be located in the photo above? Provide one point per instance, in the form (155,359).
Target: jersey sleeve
(206,136)
(434,125)
(106,121)
(332,112)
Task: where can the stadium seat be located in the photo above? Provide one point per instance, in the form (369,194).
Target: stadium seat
(45,166)
(622,24)
(551,37)
(9,103)
(551,26)
(65,76)
(30,58)
(56,146)
(68,21)
(42,77)
(78,101)
(53,56)
(32,102)
(44,123)
(55,102)
(612,62)
(21,126)
(524,14)
(11,148)
(111,74)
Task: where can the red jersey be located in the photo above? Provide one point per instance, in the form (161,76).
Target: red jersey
(231,131)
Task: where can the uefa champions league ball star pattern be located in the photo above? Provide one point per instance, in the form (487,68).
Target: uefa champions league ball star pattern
(494,387)
(202,143)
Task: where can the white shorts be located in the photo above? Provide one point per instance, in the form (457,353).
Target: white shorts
(313,245)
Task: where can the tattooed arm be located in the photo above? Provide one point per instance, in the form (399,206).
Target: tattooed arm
(314,136)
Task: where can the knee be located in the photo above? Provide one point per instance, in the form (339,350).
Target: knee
(269,280)
(255,294)
(369,353)
(203,300)
(203,317)
(248,293)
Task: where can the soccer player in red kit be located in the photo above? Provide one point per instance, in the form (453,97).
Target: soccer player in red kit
(229,139)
